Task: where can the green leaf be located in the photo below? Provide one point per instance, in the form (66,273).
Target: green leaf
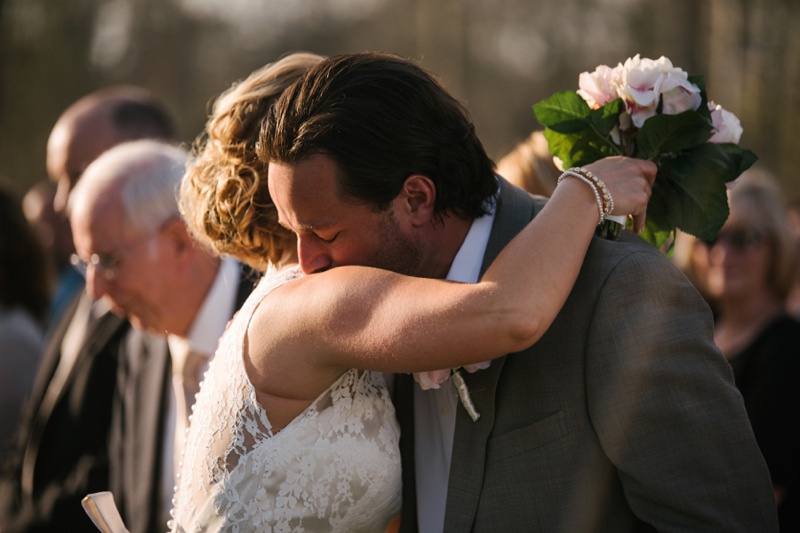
(659,208)
(654,235)
(560,145)
(703,110)
(690,191)
(664,134)
(564,112)
(740,159)
(589,148)
(578,149)
(606,118)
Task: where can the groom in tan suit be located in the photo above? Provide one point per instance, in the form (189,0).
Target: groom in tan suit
(623,417)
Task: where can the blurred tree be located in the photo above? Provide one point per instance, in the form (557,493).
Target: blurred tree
(499,57)
(44,68)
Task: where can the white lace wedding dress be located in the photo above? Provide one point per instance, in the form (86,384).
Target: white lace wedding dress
(336,467)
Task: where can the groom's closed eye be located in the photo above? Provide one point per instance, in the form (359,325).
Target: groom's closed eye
(327,241)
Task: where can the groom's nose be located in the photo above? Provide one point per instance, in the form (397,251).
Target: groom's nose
(312,254)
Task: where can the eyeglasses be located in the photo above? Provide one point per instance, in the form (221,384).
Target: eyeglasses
(107,264)
(740,240)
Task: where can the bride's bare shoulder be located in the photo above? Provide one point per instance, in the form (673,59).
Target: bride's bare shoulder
(284,346)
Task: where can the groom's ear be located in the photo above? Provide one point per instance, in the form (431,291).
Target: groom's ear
(418,199)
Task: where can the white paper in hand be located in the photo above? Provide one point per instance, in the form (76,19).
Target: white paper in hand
(102,509)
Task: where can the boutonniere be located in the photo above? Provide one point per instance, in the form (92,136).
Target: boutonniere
(434,378)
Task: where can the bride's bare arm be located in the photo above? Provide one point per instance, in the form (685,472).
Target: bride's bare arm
(358,317)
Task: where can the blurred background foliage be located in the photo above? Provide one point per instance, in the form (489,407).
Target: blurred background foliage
(499,57)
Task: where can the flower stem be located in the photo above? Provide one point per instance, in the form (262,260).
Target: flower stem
(609,230)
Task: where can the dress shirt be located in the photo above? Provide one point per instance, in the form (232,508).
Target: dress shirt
(208,326)
(435,409)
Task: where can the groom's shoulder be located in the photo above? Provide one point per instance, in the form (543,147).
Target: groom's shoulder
(603,255)
(630,254)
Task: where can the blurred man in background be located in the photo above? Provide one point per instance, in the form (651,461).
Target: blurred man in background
(56,237)
(61,450)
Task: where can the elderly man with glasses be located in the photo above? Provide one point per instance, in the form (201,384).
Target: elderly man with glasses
(178,296)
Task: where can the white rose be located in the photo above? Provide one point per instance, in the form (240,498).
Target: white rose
(682,97)
(644,81)
(599,87)
(727,127)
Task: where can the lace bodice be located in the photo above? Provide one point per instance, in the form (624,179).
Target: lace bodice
(336,467)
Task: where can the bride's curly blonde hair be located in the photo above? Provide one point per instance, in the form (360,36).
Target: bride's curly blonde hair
(224,197)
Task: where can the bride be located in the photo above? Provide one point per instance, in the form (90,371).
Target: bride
(294,429)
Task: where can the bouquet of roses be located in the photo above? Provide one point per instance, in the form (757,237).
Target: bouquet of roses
(650,109)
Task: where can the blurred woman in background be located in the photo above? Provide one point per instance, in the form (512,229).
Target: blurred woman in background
(751,266)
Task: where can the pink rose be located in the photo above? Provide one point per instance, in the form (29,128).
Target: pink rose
(645,81)
(599,87)
(727,127)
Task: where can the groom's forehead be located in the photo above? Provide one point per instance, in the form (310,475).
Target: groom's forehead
(313,178)
(306,193)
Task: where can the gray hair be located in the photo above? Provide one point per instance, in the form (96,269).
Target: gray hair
(146,174)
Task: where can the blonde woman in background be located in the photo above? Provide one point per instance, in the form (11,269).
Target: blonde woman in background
(751,269)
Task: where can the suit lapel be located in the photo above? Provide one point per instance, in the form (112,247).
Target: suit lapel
(96,340)
(514,210)
(97,330)
(404,405)
(44,373)
(469,449)
(51,356)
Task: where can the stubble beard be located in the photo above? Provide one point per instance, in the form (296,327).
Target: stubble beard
(398,252)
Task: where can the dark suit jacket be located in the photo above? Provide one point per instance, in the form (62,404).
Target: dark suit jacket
(623,417)
(66,439)
(138,428)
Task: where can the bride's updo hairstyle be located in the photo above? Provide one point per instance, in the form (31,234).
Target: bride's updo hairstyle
(224,197)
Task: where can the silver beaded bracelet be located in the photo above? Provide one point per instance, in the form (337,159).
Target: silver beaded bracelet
(591,184)
(608,200)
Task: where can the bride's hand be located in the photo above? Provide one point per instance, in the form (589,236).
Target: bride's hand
(630,183)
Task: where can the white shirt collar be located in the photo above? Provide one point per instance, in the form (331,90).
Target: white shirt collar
(466,266)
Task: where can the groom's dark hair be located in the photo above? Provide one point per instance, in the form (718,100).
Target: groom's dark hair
(382,118)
